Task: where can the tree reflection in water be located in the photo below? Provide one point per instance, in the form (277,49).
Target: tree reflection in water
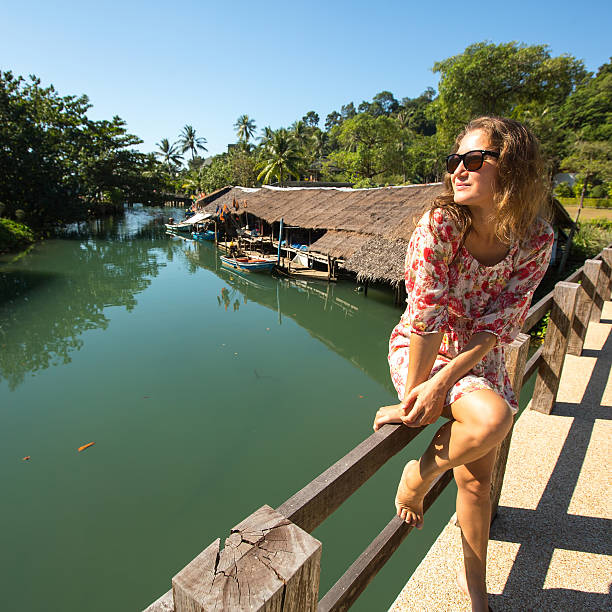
(59,290)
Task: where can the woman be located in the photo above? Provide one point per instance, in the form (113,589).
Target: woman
(473,263)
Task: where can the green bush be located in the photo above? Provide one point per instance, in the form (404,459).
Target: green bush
(599,191)
(592,236)
(14,236)
(564,190)
(538,331)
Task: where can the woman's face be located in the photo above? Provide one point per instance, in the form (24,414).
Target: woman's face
(475,188)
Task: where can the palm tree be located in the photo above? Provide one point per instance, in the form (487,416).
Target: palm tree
(266,136)
(319,143)
(169,154)
(195,180)
(245,128)
(301,133)
(190,142)
(280,157)
(403,121)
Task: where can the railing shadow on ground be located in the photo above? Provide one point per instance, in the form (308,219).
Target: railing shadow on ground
(270,561)
(549,527)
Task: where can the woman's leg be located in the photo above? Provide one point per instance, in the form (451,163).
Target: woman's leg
(480,421)
(474,516)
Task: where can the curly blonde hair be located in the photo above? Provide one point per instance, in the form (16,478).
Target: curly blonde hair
(521,192)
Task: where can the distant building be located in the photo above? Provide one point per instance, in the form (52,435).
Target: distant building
(564,177)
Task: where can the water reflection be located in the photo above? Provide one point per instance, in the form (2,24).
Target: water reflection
(60,289)
(355,327)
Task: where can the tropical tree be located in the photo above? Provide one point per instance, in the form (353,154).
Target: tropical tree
(334,118)
(245,128)
(301,133)
(489,79)
(242,167)
(383,103)
(588,109)
(348,111)
(311,119)
(55,160)
(169,155)
(403,121)
(280,158)
(368,147)
(195,180)
(188,141)
(319,143)
(266,136)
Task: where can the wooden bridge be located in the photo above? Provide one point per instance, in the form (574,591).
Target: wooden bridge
(271,562)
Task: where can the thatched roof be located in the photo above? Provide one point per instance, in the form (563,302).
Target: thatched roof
(384,211)
(339,244)
(379,259)
(368,228)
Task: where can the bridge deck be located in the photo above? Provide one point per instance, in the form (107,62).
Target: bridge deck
(550,546)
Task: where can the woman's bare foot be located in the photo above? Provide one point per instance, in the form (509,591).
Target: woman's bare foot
(410,493)
(388,414)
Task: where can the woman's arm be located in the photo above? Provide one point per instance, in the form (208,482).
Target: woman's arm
(422,356)
(424,401)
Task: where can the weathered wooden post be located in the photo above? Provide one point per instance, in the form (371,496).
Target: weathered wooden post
(606,255)
(555,346)
(516,357)
(268,563)
(600,291)
(584,305)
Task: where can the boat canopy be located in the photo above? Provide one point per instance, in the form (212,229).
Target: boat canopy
(194,219)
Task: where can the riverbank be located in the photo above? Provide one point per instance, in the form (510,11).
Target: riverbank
(14,236)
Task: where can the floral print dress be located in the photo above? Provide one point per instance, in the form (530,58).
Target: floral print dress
(448,290)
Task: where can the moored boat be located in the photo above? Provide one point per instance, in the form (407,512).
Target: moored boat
(249,264)
(187,224)
(178,227)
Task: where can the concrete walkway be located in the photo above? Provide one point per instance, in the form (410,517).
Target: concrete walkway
(551,543)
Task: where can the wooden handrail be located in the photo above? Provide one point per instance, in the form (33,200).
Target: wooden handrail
(310,506)
(532,364)
(354,581)
(537,311)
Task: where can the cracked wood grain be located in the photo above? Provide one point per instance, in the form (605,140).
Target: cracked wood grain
(267,564)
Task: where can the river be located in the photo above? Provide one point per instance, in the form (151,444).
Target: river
(207,395)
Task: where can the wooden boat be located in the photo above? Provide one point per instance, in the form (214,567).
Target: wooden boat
(178,227)
(204,235)
(187,224)
(248,264)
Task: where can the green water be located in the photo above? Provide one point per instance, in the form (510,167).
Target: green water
(207,395)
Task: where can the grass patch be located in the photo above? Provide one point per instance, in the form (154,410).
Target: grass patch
(14,236)
(588,202)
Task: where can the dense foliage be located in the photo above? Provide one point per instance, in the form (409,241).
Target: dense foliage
(14,235)
(395,141)
(57,162)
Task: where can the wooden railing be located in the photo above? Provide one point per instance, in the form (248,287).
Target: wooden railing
(271,562)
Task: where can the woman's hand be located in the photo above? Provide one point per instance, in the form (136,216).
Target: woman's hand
(424,403)
(388,414)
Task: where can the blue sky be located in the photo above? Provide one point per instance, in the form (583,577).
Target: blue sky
(161,65)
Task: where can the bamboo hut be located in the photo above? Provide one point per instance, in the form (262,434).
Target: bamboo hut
(365,230)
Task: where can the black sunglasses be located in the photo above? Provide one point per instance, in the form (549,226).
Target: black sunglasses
(472,160)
